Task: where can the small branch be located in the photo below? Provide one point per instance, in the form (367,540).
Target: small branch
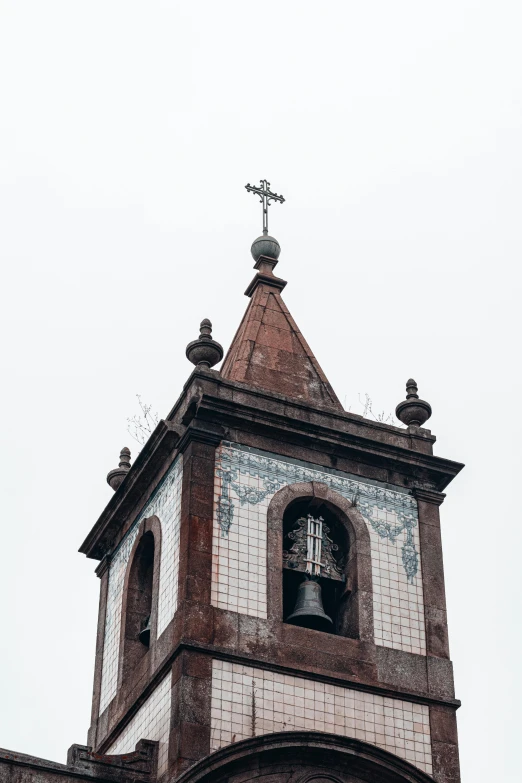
(368,412)
(141,426)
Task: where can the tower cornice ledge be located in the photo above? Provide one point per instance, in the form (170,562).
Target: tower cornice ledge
(212,408)
(143,472)
(241,408)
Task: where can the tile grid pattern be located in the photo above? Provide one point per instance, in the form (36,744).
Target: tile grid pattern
(170,516)
(239,561)
(111,643)
(288,703)
(398,606)
(151,722)
(239,546)
(166,505)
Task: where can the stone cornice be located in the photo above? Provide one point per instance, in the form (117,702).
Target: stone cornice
(210,381)
(270,280)
(325,428)
(210,407)
(429,495)
(138,766)
(143,473)
(103,565)
(212,651)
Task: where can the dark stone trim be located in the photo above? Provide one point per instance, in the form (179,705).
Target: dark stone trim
(429,496)
(269,280)
(210,382)
(103,565)
(144,473)
(211,406)
(83,764)
(202,432)
(100,643)
(246,660)
(328,437)
(140,765)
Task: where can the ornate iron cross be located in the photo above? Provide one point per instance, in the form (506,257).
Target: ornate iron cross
(313,550)
(265,197)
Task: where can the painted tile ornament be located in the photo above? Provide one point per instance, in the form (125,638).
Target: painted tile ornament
(276,473)
(246,480)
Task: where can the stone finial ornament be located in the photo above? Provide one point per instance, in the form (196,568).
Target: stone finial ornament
(413,410)
(265,245)
(116,476)
(204,352)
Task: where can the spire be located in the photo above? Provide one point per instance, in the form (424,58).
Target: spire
(269,351)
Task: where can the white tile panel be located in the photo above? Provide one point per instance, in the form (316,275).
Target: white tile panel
(248,701)
(246,481)
(151,722)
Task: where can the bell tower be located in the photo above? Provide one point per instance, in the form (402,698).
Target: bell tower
(272,588)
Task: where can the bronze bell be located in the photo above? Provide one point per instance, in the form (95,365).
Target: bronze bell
(144,634)
(309,611)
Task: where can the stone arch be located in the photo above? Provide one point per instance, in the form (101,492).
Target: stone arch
(131,650)
(359,615)
(296,756)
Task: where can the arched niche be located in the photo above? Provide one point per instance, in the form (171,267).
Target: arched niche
(140,597)
(356,599)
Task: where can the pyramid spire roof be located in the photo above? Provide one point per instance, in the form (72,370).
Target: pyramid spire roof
(269,351)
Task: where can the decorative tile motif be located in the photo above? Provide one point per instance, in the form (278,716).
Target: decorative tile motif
(239,558)
(248,702)
(151,722)
(245,483)
(277,473)
(166,505)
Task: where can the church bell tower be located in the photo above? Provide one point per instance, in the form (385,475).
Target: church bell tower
(272,590)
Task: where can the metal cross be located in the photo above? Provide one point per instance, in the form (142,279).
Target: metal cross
(266,196)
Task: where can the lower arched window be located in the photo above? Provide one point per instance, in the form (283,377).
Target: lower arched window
(138,604)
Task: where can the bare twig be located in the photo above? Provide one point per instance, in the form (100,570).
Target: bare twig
(140,426)
(368,412)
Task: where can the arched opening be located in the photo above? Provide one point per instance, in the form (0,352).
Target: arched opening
(303,757)
(346,587)
(315,548)
(138,609)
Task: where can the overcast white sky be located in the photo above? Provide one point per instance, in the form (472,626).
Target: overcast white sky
(127,133)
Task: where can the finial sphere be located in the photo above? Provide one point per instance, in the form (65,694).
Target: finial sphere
(204,352)
(412,410)
(115,477)
(265,245)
